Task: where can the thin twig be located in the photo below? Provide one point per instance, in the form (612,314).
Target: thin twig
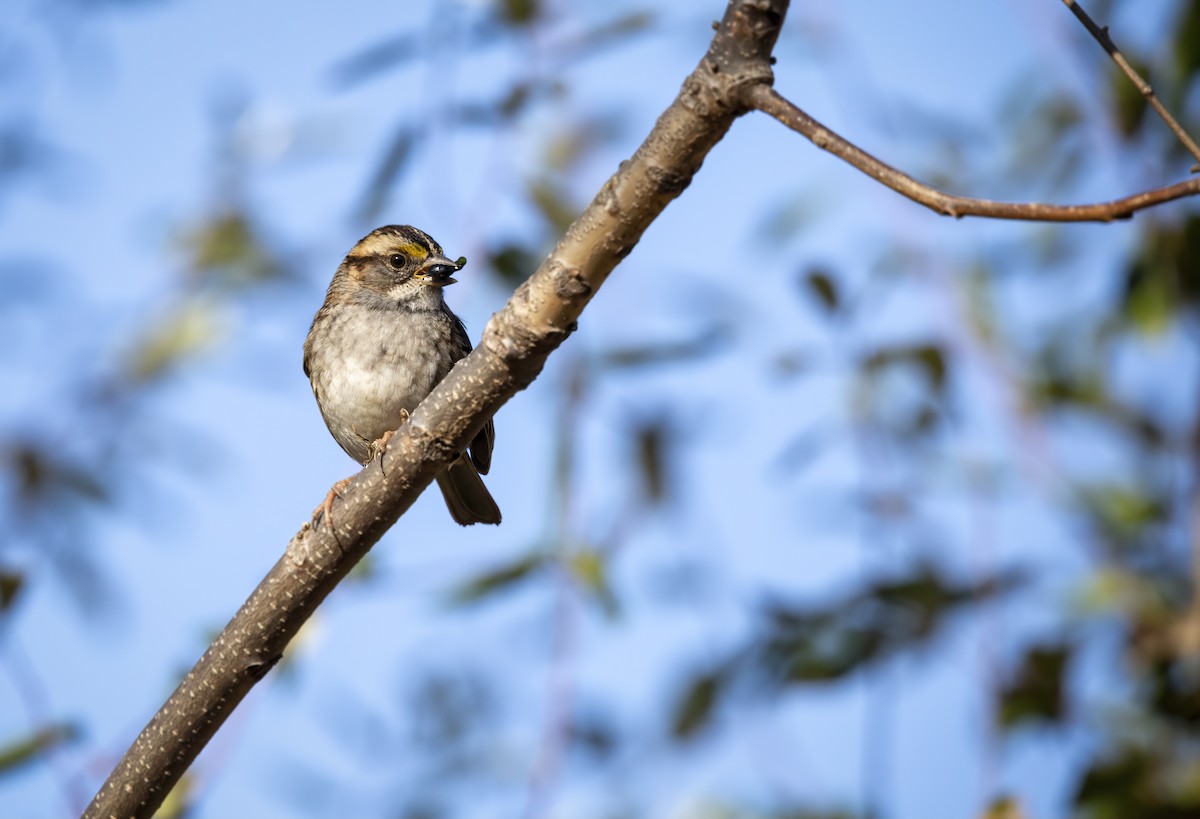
(769,101)
(1101,35)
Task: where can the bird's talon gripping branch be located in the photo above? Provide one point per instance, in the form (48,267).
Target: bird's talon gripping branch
(325,508)
(380,444)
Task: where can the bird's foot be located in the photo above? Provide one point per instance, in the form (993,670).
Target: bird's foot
(324,510)
(379,445)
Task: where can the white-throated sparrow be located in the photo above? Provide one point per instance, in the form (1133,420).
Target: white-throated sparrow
(380,343)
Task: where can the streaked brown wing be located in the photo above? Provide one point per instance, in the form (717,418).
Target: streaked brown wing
(481,447)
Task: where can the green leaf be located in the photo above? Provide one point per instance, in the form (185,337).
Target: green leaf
(26,750)
(590,569)
(504,578)
(824,290)
(519,12)
(1036,692)
(513,262)
(981,304)
(178,336)
(708,342)
(695,709)
(804,644)
(228,252)
(927,358)
(1187,41)
(1148,303)
(653,440)
(11,584)
(181,799)
(552,203)
(41,478)
(1129,105)
(1121,513)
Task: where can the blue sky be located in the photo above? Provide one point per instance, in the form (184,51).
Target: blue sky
(130,97)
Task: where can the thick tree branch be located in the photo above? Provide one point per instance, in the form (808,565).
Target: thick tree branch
(766,99)
(516,342)
(1101,35)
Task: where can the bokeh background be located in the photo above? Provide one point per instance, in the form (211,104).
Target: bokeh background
(832,507)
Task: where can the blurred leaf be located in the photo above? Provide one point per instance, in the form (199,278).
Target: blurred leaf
(1148,303)
(168,342)
(1062,378)
(613,31)
(1037,691)
(791,363)
(18,753)
(819,644)
(823,288)
(180,801)
(449,708)
(514,262)
(1115,591)
(1165,278)
(1121,513)
(375,59)
(696,707)
(505,578)
(802,450)
(572,143)
(365,570)
(784,221)
(708,342)
(387,173)
(552,203)
(652,443)
(11,583)
(888,504)
(23,152)
(926,358)
(1004,807)
(41,479)
(307,640)
(590,570)
(519,12)
(798,644)
(1137,781)
(229,253)
(1045,126)
(1174,691)
(981,305)
(1187,41)
(594,735)
(518,97)
(1129,106)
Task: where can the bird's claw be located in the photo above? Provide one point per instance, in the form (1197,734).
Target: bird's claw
(325,508)
(379,445)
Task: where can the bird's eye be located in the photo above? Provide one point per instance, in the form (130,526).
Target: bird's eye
(397,260)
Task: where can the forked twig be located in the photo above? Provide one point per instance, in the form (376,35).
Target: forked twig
(1101,35)
(769,101)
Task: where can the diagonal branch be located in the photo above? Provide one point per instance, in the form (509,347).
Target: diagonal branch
(518,339)
(769,101)
(1101,35)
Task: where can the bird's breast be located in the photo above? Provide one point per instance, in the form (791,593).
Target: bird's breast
(371,366)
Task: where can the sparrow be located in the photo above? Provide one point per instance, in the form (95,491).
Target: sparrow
(380,343)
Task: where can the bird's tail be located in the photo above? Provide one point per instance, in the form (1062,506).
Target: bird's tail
(466,496)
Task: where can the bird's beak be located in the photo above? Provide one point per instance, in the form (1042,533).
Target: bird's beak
(437,271)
